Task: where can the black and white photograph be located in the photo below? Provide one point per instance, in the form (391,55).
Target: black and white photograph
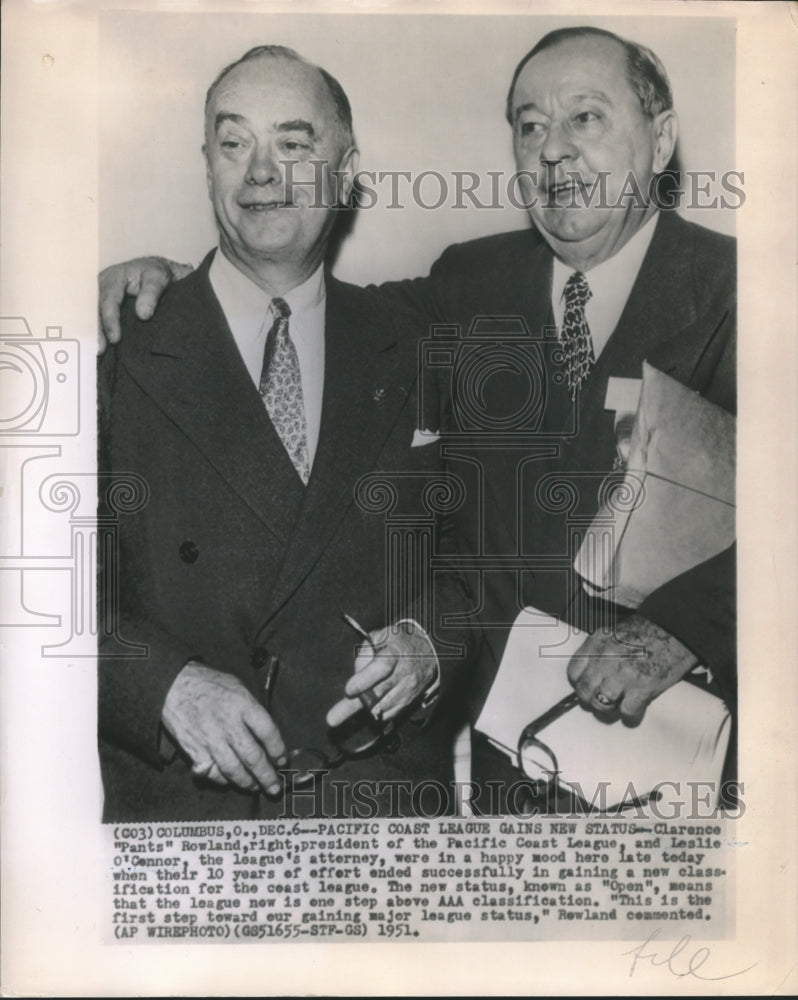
(379,535)
(265,570)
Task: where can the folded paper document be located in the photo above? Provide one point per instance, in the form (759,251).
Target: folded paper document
(674,507)
(682,737)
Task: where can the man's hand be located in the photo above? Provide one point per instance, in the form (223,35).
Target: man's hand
(147,278)
(397,667)
(626,671)
(228,735)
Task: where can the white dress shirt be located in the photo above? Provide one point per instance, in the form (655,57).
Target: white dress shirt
(610,283)
(246,309)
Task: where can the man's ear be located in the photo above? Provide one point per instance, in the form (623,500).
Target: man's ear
(666,131)
(346,173)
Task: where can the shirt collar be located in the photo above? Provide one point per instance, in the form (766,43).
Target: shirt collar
(614,277)
(309,295)
(242,300)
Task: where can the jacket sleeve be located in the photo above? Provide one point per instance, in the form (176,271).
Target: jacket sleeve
(455,645)
(137,660)
(447,596)
(699,608)
(132,688)
(429,297)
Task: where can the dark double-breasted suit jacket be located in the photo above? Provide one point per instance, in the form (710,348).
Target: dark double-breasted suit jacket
(532,481)
(231,558)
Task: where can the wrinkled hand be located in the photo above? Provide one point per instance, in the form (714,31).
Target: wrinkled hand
(612,673)
(147,278)
(398,669)
(228,735)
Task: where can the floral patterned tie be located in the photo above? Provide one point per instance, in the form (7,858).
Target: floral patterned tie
(281,389)
(575,333)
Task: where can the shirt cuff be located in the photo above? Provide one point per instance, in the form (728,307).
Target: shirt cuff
(432,690)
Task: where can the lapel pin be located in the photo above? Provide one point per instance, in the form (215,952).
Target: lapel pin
(379,394)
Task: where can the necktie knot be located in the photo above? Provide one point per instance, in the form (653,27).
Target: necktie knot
(577,290)
(280,309)
(575,334)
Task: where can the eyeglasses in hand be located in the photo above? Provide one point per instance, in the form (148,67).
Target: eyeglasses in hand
(360,736)
(539,763)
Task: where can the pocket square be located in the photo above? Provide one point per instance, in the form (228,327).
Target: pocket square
(421,438)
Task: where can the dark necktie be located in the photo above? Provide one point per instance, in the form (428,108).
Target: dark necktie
(575,333)
(281,389)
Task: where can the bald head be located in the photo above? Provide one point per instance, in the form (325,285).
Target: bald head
(340,102)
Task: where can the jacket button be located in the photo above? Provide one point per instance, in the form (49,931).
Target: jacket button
(260,657)
(189,552)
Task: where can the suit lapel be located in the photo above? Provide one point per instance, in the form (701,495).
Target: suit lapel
(520,284)
(658,324)
(688,345)
(193,371)
(369,371)
(661,305)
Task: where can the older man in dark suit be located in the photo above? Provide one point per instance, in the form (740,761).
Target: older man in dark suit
(635,283)
(615,281)
(620,283)
(253,406)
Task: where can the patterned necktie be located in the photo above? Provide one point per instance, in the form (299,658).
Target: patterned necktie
(575,333)
(281,389)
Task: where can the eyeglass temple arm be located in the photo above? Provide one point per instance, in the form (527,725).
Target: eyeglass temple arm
(563,705)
